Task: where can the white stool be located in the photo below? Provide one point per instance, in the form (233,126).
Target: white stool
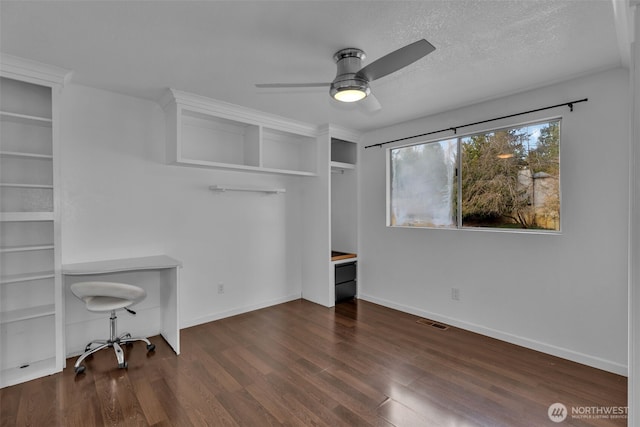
(109,296)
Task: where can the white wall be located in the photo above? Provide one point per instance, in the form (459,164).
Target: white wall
(563,294)
(120,199)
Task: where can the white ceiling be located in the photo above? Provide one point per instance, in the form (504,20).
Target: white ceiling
(484,49)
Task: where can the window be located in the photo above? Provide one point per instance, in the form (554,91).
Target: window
(505,178)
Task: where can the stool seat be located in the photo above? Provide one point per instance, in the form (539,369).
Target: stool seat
(109,297)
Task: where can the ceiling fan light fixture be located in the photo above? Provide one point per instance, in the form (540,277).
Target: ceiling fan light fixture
(350,90)
(350,95)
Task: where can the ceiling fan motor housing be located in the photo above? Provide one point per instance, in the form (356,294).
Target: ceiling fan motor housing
(349,62)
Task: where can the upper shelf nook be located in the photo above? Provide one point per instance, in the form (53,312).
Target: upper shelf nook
(209,133)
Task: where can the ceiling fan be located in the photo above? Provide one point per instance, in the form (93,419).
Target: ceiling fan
(351,83)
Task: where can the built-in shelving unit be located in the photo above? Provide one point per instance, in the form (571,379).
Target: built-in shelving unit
(31,339)
(344,216)
(208,133)
(330,207)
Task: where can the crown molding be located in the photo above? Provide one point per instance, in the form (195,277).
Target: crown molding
(33,71)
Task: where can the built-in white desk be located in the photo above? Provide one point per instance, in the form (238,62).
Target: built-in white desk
(156,314)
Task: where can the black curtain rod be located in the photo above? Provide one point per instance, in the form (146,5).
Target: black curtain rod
(455,128)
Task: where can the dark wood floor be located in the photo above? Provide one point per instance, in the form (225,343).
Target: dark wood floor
(301,364)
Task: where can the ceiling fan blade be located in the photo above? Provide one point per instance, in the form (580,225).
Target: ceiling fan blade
(396,60)
(370,104)
(290,85)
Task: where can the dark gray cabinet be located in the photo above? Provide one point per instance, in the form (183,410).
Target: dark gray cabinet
(345,280)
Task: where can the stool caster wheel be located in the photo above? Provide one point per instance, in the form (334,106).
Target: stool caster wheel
(151,347)
(80,369)
(122,365)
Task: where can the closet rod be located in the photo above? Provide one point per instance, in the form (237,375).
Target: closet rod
(455,128)
(223,188)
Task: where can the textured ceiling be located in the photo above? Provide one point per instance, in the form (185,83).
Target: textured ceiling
(484,49)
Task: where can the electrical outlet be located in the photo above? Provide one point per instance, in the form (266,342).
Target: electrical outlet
(455,294)
(221,288)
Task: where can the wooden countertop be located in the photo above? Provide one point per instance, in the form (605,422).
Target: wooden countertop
(336,256)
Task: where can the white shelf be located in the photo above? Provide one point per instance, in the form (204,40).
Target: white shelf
(342,166)
(25,119)
(245,168)
(26,216)
(27,313)
(26,277)
(25,248)
(31,186)
(223,188)
(20,155)
(31,371)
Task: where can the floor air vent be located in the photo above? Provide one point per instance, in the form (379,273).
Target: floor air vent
(432,324)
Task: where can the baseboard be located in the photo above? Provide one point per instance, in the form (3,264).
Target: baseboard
(238,310)
(585,359)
